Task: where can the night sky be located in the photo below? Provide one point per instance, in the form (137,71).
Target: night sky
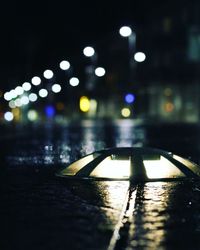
(37,34)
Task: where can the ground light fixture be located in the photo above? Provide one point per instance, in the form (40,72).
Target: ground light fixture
(131,163)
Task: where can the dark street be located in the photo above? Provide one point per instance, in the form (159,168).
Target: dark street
(40,211)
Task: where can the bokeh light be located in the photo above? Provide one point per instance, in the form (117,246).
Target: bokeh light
(88,51)
(56,88)
(129,98)
(139,57)
(19,90)
(8,116)
(36,80)
(32,115)
(84,104)
(43,93)
(125,112)
(64,65)
(74,81)
(50,111)
(48,74)
(100,71)
(26,86)
(32,97)
(125,31)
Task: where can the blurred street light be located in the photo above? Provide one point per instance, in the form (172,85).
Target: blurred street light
(26,86)
(139,57)
(8,116)
(128,33)
(56,88)
(125,31)
(32,97)
(100,71)
(88,51)
(48,74)
(74,81)
(19,90)
(64,65)
(43,93)
(36,80)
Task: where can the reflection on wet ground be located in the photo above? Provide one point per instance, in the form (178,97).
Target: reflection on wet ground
(39,211)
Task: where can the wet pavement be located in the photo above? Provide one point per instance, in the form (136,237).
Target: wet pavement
(40,211)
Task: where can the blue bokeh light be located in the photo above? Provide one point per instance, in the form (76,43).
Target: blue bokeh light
(50,111)
(129,98)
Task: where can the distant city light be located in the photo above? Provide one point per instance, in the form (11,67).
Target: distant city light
(84,104)
(169,107)
(129,98)
(24,100)
(125,31)
(32,115)
(26,86)
(56,88)
(64,65)
(49,111)
(8,116)
(7,96)
(18,102)
(43,93)
(88,51)
(125,112)
(11,104)
(13,94)
(100,71)
(74,81)
(19,90)
(139,57)
(36,80)
(32,97)
(48,74)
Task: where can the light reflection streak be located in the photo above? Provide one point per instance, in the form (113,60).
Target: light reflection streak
(147,228)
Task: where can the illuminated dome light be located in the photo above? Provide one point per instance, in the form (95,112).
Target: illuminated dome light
(125,112)
(13,94)
(56,88)
(136,164)
(19,90)
(88,51)
(64,65)
(43,93)
(24,100)
(8,116)
(36,80)
(48,74)
(74,81)
(129,98)
(18,102)
(84,104)
(26,86)
(32,97)
(125,31)
(11,104)
(139,57)
(100,71)
(32,115)
(7,96)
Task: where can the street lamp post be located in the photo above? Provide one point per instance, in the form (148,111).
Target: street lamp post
(127,32)
(90,76)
